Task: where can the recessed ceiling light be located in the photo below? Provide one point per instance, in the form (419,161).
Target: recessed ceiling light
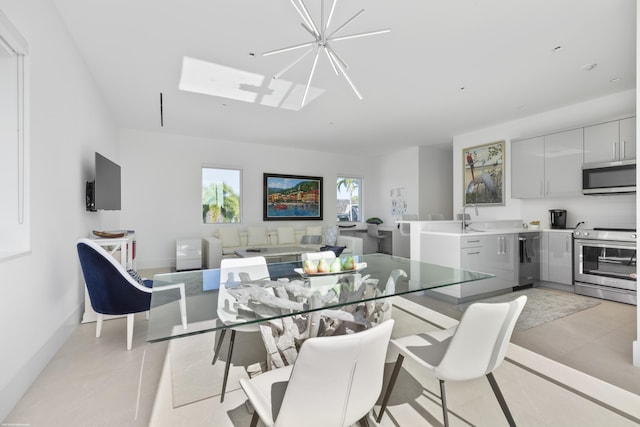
(589,67)
(614,80)
(557,49)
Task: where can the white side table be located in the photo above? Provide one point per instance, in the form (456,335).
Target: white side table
(189,254)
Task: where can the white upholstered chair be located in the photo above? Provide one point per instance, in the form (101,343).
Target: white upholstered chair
(475,348)
(235,270)
(335,381)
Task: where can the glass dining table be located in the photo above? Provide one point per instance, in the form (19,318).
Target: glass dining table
(289,291)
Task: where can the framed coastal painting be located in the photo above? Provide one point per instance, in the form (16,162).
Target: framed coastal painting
(483,174)
(292,197)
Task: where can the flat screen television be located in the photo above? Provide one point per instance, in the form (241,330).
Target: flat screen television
(104,192)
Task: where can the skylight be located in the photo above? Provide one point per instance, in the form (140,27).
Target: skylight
(208,78)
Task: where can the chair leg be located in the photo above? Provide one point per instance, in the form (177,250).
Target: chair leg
(99,320)
(130,321)
(364,422)
(183,308)
(254,420)
(392,382)
(500,397)
(228,365)
(445,412)
(216,352)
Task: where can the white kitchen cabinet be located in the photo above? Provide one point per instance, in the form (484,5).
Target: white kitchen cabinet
(610,141)
(557,257)
(563,163)
(527,168)
(547,166)
(492,253)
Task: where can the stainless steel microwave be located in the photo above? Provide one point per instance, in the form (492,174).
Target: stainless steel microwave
(609,178)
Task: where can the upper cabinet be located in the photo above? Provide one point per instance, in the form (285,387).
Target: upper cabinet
(547,166)
(611,141)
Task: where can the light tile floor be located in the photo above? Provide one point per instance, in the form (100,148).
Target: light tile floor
(96,382)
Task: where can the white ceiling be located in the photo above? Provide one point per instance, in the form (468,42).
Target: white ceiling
(500,51)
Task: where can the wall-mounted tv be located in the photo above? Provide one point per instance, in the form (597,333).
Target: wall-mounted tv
(104,192)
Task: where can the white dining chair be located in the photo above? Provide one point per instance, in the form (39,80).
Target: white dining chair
(235,270)
(475,348)
(317,256)
(335,381)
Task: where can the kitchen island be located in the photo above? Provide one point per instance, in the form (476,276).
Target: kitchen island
(485,246)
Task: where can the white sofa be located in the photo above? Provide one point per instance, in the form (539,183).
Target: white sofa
(226,240)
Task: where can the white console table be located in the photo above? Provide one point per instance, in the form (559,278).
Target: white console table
(123,249)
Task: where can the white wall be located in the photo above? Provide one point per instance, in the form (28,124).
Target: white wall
(42,291)
(161,179)
(435,182)
(595,210)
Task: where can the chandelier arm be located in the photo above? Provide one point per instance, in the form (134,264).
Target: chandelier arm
(337,57)
(348,79)
(353,36)
(302,16)
(288,67)
(309,18)
(333,7)
(309,30)
(286,49)
(313,69)
(331,60)
(350,20)
(322,26)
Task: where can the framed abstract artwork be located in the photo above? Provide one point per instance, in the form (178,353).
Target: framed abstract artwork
(292,197)
(483,174)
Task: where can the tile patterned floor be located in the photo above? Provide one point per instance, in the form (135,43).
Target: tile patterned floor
(96,382)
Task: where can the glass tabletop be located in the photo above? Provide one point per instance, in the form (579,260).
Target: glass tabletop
(288,291)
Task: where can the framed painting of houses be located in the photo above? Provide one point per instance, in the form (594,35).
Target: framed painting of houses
(483,174)
(292,197)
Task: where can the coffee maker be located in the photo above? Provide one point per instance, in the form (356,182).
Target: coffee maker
(558,218)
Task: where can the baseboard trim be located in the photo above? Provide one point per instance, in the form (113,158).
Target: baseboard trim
(18,385)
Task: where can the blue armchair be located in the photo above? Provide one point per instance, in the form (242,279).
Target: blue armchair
(114,291)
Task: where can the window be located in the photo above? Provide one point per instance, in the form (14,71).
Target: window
(348,206)
(221,202)
(14,189)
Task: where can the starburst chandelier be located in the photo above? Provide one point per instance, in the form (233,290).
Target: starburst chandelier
(322,41)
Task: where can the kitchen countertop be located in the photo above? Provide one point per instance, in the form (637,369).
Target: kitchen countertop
(482,228)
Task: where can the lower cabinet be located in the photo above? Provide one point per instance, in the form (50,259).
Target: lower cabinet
(492,253)
(557,261)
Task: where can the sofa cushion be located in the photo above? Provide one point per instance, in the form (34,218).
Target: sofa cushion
(313,230)
(311,240)
(229,236)
(286,236)
(257,236)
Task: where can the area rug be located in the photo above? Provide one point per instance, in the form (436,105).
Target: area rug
(542,306)
(194,378)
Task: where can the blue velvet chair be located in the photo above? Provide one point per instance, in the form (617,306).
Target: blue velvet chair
(114,291)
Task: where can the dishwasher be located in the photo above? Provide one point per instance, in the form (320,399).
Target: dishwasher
(529,263)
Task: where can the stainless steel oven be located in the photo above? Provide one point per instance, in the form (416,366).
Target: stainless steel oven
(605,264)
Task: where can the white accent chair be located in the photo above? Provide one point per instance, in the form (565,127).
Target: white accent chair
(113,291)
(335,381)
(317,256)
(235,270)
(475,348)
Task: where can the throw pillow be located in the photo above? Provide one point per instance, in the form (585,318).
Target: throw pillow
(286,236)
(335,249)
(229,236)
(134,274)
(331,235)
(257,236)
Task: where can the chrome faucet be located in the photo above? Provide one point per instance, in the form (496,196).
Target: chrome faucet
(463,223)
